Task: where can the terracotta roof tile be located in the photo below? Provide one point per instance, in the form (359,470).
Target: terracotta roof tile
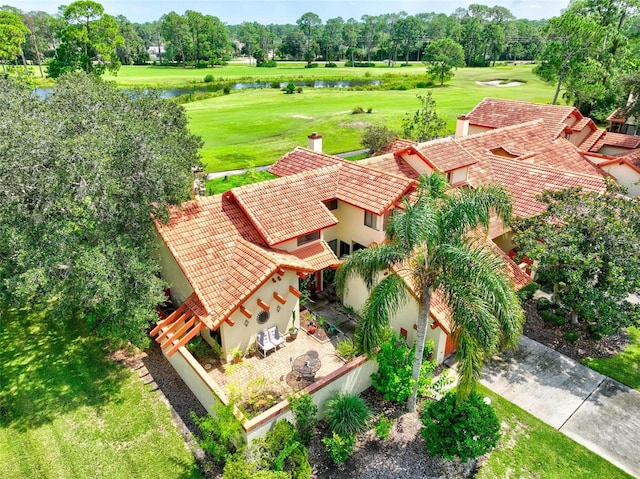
(497,113)
(390,163)
(524,181)
(447,154)
(222,255)
(318,255)
(618,140)
(396,145)
(301,159)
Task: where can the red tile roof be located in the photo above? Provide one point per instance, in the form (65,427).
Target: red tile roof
(618,140)
(222,255)
(318,255)
(524,181)
(446,154)
(301,159)
(395,145)
(390,163)
(497,113)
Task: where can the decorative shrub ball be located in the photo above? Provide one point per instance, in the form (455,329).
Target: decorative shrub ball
(466,431)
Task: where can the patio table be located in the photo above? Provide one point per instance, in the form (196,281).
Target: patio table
(307,365)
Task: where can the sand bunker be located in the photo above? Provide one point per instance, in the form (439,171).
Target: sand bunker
(500,83)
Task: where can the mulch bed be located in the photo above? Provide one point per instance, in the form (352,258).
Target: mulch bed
(553,337)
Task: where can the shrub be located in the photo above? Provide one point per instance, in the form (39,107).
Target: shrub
(311,65)
(369,110)
(346,349)
(267,64)
(330,65)
(359,64)
(357,110)
(339,447)
(202,64)
(226,90)
(395,368)
(558,320)
(542,304)
(221,432)
(305,415)
(275,84)
(209,78)
(424,84)
(571,335)
(466,431)
(376,137)
(299,89)
(347,413)
(290,88)
(596,336)
(547,316)
(383,428)
(239,466)
(528,291)
(286,451)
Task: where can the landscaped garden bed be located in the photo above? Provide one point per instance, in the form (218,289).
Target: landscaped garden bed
(317,327)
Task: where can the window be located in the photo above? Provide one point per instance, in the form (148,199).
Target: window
(308,238)
(263,317)
(345,249)
(357,247)
(331,204)
(333,244)
(370,220)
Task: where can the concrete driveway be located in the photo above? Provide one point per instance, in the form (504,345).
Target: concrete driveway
(594,410)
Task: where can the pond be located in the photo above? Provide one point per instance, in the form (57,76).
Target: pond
(175,92)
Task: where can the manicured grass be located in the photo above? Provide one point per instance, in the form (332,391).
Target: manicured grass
(532,449)
(175,76)
(256,127)
(220,185)
(623,367)
(68,411)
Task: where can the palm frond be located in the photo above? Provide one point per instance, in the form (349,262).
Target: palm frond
(413,225)
(367,265)
(468,209)
(385,300)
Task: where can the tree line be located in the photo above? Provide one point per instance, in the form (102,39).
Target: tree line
(486,34)
(588,52)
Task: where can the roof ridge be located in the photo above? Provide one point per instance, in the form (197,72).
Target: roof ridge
(540,168)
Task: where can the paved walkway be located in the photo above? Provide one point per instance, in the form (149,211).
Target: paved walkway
(594,410)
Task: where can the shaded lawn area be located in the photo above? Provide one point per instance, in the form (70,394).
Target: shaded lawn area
(220,185)
(623,367)
(532,449)
(66,410)
(256,127)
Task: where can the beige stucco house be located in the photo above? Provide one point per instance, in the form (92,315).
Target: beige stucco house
(234,261)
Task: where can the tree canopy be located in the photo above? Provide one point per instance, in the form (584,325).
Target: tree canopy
(84,173)
(443,56)
(424,124)
(89,40)
(13,34)
(587,248)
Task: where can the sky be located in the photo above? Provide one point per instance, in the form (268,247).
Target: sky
(234,12)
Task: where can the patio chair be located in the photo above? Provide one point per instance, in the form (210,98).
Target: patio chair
(275,337)
(263,344)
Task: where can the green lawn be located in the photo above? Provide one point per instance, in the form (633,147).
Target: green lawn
(530,448)
(623,367)
(67,411)
(256,127)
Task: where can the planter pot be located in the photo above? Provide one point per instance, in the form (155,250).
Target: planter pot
(292,335)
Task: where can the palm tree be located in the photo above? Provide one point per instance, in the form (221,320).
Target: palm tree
(432,243)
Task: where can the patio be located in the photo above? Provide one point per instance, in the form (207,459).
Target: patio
(276,368)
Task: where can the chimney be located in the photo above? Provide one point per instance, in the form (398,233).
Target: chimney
(462,126)
(315,142)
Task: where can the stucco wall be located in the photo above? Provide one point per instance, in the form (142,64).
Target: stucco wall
(356,295)
(625,176)
(611,150)
(241,335)
(171,272)
(417,164)
(459,175)
(477,129)
(351,227)
(354,377)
